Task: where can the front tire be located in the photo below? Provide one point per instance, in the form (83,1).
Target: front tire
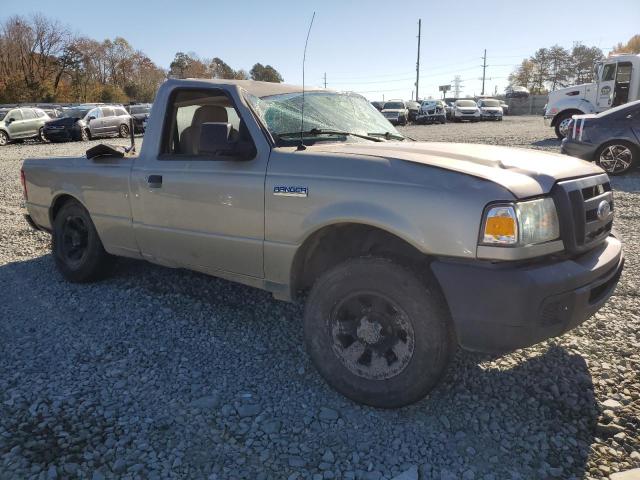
(562,124)
(76,246)
(617,157)
(85,134)
(4,138)
(377,333)
(41,136)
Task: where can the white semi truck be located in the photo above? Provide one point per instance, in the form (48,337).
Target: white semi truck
(617,82)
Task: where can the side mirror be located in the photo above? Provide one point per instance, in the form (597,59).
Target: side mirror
(216,139)
(91,118)
(11,120)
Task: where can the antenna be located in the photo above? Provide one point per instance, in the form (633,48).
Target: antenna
(304,58)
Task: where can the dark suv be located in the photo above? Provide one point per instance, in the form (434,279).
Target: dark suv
(85,122)
(140,114)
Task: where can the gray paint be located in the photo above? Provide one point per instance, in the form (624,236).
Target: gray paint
(221,217)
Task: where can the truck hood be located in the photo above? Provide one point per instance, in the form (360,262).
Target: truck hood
(578,91)
(524,172)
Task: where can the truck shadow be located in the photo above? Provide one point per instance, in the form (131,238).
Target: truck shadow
(537,405)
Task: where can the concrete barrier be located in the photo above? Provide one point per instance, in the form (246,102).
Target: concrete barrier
(532,105)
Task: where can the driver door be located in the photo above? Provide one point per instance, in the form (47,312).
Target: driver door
(201,211)
(606,86)
(94,120)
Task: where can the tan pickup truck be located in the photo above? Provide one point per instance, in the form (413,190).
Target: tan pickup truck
(402,250)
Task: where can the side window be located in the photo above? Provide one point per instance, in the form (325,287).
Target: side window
(15,114)
(188,110)
(39,113)
(28,114)
(623,74)
(120,111)
(608,72)
(107,112)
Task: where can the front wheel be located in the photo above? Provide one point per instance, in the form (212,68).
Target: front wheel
(377,333)
(4,138)
(77,249)
(562,125)
(85,134)
(617,157)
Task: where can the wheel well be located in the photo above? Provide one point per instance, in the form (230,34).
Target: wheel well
(572,111)
(334,244)
(57,204)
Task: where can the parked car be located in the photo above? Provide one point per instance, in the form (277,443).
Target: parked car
(466,110)
(402,250)
(490,109)
(396,112)
(432,111)
(449,107)
(516,92)
(413,108)
(610,138)
(505,108)
(85,122)
(140,113)
(21,124)
(378,105)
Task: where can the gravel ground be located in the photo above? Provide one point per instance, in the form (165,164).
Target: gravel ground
(160,373)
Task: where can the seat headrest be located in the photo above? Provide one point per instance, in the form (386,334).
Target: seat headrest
(209,113)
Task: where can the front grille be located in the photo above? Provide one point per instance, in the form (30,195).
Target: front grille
(585,220)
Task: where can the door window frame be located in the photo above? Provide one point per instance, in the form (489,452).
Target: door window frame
(169,124)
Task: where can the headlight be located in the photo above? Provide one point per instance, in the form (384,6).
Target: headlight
(521,223)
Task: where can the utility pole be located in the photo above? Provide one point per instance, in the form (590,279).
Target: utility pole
(418,62)
(484,69)
(325,79)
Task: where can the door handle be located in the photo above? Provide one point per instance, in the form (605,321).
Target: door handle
(154,181)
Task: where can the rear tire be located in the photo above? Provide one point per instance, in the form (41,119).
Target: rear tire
(377,333)
(76,246)
(123,132)
(617,157)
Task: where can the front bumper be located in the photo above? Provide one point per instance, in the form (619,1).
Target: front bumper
(59,134)
(425,118)
(502,307)
(585,151)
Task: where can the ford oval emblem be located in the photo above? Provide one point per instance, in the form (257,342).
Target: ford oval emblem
(603,210)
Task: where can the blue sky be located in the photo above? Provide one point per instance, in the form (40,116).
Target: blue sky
(368,47)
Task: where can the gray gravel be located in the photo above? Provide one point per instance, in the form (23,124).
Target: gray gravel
(160,373)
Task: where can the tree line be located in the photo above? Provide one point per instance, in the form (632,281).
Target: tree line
(556,67)
(42,61)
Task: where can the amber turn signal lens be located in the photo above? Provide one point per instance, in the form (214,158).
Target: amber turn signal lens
(500,227)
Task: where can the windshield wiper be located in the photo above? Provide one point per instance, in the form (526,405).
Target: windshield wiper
(389,135)
(322,131)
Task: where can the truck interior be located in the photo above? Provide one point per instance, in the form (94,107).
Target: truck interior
(622,85)
(189,110)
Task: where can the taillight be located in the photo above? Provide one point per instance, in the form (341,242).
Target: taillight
(577,131)
(24,184)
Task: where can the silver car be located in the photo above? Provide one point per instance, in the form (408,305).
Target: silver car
(21,123)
